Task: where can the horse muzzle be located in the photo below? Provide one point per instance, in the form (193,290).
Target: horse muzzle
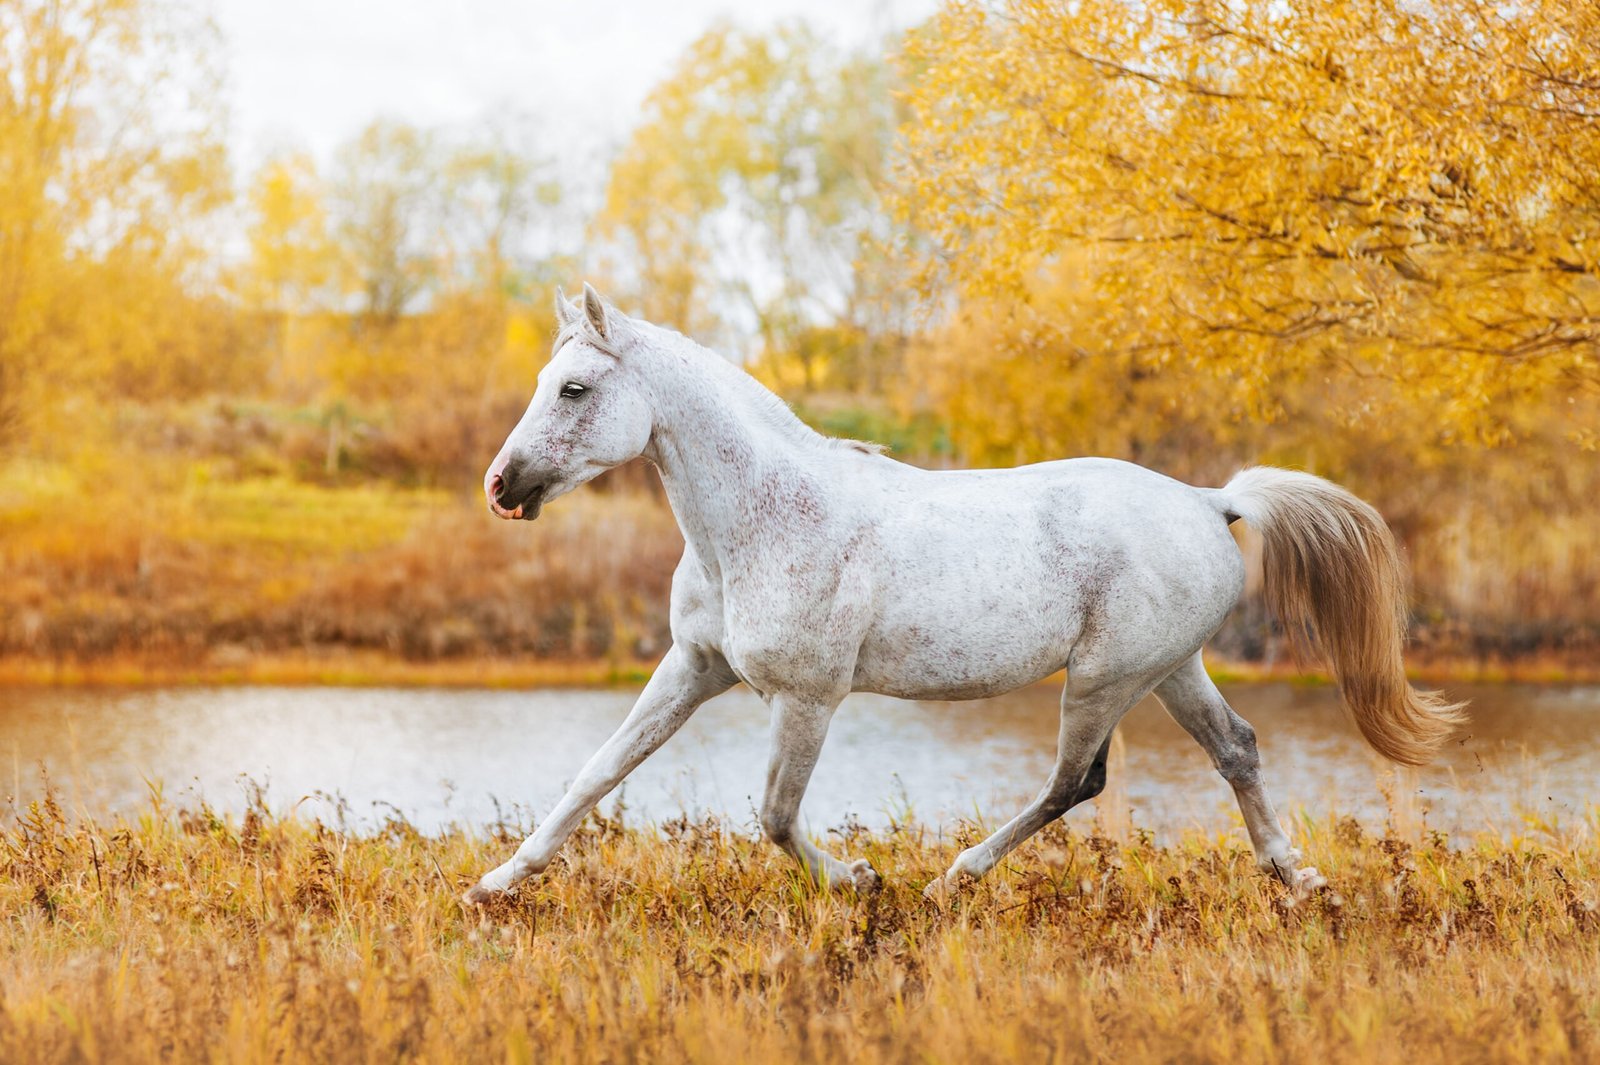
(513,499)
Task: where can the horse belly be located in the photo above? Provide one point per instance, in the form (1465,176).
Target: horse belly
(935,649)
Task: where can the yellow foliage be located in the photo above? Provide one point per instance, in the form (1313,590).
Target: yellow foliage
(1357,236)
(292,258)
(1368,188)
(109,157)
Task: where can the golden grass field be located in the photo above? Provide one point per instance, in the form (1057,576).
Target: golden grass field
(187,936)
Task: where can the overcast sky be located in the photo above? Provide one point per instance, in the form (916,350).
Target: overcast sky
(309,73)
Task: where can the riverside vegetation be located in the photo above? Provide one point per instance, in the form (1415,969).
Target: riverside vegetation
(184,935)
(227,564)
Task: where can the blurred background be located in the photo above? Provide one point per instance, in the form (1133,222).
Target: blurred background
(275,281)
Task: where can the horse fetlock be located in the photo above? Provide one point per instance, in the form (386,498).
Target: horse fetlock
(478,895)
(779,830)
(970,864)
(493,885)
(941,888)
(522,868)
(502,879)
(1280,863)
(1301,880)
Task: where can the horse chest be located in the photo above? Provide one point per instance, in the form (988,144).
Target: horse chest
(780,644)
(792,628)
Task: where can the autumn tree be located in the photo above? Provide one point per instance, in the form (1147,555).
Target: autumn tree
(503,205)
(740,202)
(291,267)
(1364,189)
(291,257)
(419,211)
(385,200)
(415,280)
(110,160)
(509,235)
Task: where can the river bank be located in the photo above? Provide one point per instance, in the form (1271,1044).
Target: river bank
(365,668)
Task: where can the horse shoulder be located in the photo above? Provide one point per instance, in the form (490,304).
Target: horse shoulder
(796,620)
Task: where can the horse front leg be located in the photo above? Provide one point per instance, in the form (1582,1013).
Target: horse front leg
(799,726)
(675,691)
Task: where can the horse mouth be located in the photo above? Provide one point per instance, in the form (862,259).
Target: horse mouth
(527,510)
(530,507)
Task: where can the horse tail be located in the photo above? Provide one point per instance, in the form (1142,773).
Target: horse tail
(1332,570)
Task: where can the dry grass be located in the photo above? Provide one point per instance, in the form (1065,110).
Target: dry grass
(187,936)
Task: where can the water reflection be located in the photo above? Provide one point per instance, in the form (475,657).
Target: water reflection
(450,755)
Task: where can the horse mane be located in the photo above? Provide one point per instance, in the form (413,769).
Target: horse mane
(761,401)
(779,415)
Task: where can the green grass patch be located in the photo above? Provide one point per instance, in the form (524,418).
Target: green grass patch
(302,518)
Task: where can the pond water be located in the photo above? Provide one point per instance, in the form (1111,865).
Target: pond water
(437,756)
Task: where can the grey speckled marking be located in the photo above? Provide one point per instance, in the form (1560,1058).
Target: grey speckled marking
(815,567)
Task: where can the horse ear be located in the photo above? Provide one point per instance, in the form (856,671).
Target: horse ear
(566,313)
(595,309)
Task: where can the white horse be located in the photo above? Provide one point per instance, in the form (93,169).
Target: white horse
(814,567)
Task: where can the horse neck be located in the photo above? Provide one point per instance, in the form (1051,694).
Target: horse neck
(717,455)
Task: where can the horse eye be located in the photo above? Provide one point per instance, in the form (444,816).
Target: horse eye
(572,390)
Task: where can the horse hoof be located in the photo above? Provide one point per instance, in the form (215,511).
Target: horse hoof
(1306,881)
(942,890)
(478,895)
(865,878)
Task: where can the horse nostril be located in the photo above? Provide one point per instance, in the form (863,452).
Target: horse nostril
(496,483)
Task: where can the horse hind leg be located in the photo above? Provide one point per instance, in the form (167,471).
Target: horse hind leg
(1195,703)
(1088,714)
